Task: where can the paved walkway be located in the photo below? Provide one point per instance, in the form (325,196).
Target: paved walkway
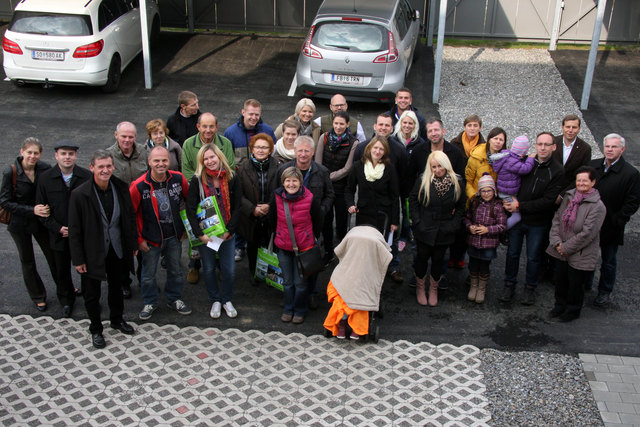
(165,375)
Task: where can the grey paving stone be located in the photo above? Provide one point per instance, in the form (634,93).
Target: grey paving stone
(608,377)
(621,387)
(630,419)
(623,369)
(606,396)
(630,360)
(587,358)
(630,397)
(595,367)
(599,385)
(610,417)
(621,408)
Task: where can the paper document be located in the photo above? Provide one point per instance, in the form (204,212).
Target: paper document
(390,238)
(214,243)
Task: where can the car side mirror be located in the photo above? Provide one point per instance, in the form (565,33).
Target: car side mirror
(416,15)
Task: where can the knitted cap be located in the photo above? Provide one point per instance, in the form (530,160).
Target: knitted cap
(520,145)
(486,180)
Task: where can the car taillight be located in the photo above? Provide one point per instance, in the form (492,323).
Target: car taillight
(392,53)
(307,50)
(11,46)
(89,50)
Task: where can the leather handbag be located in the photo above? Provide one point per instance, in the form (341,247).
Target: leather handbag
(5,215)
(310,261)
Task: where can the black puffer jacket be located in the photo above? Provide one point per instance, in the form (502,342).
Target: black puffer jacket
(538,192)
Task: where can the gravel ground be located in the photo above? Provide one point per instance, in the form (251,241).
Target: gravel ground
(519,90)
(535,388)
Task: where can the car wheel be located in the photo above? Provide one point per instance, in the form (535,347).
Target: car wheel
(114,76)
(155,31)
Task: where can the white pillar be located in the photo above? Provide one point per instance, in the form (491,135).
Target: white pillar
(593,52)
(146,54)
(555,31)
(439,47)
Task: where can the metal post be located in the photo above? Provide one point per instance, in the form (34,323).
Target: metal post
(146,57)
(432,18)
(439,48)
(190,18)
(593,52)
(553,42)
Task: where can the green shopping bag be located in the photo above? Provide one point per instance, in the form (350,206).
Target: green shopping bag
(209,217)
(268,267)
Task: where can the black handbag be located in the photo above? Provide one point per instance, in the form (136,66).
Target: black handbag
(310,261)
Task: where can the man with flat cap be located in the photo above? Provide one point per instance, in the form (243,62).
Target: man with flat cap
(54,189)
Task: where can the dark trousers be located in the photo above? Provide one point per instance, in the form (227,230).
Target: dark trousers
(458,248)
(91,290)
(569,287)
(479,266)
(260,238)
(64,283)
(341,216)
(426,252)
(32,280)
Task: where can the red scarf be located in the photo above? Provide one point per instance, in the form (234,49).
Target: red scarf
(224,190)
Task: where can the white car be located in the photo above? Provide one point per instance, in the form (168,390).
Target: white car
(75,42)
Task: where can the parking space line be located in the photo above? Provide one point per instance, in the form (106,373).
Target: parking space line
(294,84)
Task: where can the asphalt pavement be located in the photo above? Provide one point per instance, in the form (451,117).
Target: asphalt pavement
(224,70)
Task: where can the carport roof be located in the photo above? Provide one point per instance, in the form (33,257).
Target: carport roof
(381,9)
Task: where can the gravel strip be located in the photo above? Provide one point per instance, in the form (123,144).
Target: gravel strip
(535,388)
(520,90)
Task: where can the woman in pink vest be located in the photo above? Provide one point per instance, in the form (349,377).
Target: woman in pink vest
(306,220)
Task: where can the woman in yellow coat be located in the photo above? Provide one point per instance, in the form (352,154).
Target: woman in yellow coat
(479,161)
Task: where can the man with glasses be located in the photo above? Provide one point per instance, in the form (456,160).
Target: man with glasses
(182,123)
(339,103)
(536,204)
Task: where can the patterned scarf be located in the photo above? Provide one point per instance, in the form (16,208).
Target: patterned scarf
(442,184)
(305,129)
(334,141)
(569,215)
(224,192)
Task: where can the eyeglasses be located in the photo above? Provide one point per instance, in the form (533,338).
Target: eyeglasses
(261,147)
(339,105)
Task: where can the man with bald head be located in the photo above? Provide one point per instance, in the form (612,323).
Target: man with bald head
(130,161)
(207,133)
(157,197)
(339,103)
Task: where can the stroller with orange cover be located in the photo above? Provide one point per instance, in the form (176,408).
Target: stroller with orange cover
(355,284)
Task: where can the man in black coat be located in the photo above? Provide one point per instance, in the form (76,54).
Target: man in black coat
(182,123)
(103,240)
(619,185)
(404,99)
(571,151)
(54,189)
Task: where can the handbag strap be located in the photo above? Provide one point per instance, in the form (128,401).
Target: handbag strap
(287,215)
(13,179)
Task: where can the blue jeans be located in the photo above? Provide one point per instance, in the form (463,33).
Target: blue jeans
(609,254)
(296,289)
(171,248)
(535,235)
(227,267)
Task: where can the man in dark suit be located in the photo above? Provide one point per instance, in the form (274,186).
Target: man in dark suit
(619,185)
(103,240)
(54,189)
(571,152)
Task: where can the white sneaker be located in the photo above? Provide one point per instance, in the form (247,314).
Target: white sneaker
(229,309)
(215,310)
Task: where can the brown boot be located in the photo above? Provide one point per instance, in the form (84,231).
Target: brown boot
(473,289)
(421,295)
(433,291)
(482,287)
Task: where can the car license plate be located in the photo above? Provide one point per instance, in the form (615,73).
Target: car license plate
(347,80)
(48,55)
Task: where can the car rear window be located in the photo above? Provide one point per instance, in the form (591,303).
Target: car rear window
(351,36)
(53,24)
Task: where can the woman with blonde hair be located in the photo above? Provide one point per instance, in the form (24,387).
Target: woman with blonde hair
(436,206)
(407,130)
(215,179)
(304,112)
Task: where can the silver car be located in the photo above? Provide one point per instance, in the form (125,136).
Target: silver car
(362,49)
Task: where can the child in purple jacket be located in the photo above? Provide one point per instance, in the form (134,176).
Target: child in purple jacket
(510,166)
(485,220)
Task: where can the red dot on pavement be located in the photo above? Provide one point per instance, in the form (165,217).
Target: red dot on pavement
(193,381)
(182,409)
(202,355)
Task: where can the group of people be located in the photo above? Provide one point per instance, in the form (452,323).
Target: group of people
(296,186)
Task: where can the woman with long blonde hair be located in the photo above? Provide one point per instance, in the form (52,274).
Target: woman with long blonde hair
(214,178)
(436,206)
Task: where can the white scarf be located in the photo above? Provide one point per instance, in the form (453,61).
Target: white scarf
(282,150)
(373,173)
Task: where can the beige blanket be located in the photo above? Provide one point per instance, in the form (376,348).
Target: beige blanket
(364,257)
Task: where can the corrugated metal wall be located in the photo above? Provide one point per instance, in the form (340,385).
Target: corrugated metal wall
(521,19)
